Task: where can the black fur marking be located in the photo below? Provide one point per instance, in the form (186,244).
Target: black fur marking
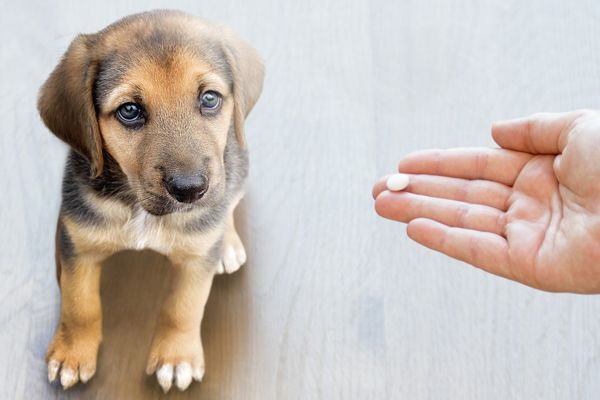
(112,183)
(214,53)
(236,163)
(65,244)
(111,72)
(208,220)
(74,203)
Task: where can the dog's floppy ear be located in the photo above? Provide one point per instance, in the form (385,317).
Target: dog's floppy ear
(66,102)
(248,74)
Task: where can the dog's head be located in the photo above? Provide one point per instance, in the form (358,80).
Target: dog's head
(159,92)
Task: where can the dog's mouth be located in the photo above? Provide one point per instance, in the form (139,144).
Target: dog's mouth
(157,204)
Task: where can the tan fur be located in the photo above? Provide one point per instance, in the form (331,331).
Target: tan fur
(176,336)
(160,86)
(79,334)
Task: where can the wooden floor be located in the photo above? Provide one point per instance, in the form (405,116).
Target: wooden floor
(334,302)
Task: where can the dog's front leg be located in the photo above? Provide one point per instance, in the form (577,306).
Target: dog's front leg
(234,254)
(176,352)
(74,348)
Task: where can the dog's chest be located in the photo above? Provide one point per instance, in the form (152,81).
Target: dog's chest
(136,229)
(144,231)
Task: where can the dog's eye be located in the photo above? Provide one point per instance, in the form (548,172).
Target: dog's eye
(210,100)
(130,114)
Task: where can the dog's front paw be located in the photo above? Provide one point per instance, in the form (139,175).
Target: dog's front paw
(176,358)
(234,254)
(73,352)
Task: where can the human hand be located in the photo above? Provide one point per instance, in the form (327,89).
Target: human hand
(529,211)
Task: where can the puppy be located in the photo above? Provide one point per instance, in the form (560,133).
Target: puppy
(153,108)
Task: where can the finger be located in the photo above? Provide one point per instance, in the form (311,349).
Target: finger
(481,249)
(482,192)
(404,207)
(542,133)
(380,186)
(496,165)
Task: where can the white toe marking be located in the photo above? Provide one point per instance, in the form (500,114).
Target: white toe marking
(220,268)
(164,375)
(53,367)
(183,375)
(230,260)
(68,377)
(241,255)
(85,374)
(234,256)
(198,374)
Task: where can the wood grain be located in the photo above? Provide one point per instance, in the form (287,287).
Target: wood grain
(334,302)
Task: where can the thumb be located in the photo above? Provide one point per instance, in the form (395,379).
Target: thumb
(542,133)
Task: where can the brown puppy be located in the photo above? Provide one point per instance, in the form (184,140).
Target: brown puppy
(153,108)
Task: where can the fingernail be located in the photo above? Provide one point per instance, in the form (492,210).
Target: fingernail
(397,182)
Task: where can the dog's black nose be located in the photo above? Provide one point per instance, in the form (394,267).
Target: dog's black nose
(186,188)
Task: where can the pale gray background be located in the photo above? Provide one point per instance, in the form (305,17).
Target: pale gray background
(334,302)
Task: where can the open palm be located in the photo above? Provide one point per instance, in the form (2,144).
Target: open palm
(529,211)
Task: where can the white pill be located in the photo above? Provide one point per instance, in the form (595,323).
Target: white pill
(397,182)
